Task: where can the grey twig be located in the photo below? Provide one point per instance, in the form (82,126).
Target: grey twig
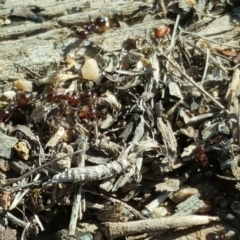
(76,208)
(13,219)
(173,41)
(208,39)
(104,171)
(206,68)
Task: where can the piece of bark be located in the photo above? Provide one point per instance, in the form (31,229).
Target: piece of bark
(19,166)
(8,234)
(167,135)
(235,166)
(164,195)
(218,26)
(170,185)
(190,206)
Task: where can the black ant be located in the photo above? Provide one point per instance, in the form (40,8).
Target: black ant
(23,99)
(101,24)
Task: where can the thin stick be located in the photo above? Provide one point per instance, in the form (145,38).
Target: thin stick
(196,85)
(173,40)
(162,4)
(76,207)
(20,195)
(214,61)
(205,38)
(172,43)
(11,181)
(13,219)
(104,171)
(206,68)
(114,230)
(227,178)
(200,118)
(38,221)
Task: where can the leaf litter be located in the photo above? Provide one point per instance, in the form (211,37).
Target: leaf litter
(136,139)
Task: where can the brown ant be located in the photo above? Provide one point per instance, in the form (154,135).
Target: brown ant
(89,109)
(84,100)
(200,155)
(52,96)
(23,99)
(73,100)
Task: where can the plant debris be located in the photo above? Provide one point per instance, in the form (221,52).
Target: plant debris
(132,133)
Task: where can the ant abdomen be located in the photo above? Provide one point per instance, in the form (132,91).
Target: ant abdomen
(101,24)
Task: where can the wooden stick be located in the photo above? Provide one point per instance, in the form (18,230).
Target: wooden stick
(119,229)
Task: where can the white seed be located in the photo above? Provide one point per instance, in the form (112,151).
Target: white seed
(90,70)
(23,85)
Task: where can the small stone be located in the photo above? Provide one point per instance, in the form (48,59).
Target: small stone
(22,150)
(62,164)
(83,236)
(6,148)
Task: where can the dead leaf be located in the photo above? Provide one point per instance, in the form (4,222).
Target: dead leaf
(54,140)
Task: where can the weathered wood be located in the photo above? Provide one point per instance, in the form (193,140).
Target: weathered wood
(36,44)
